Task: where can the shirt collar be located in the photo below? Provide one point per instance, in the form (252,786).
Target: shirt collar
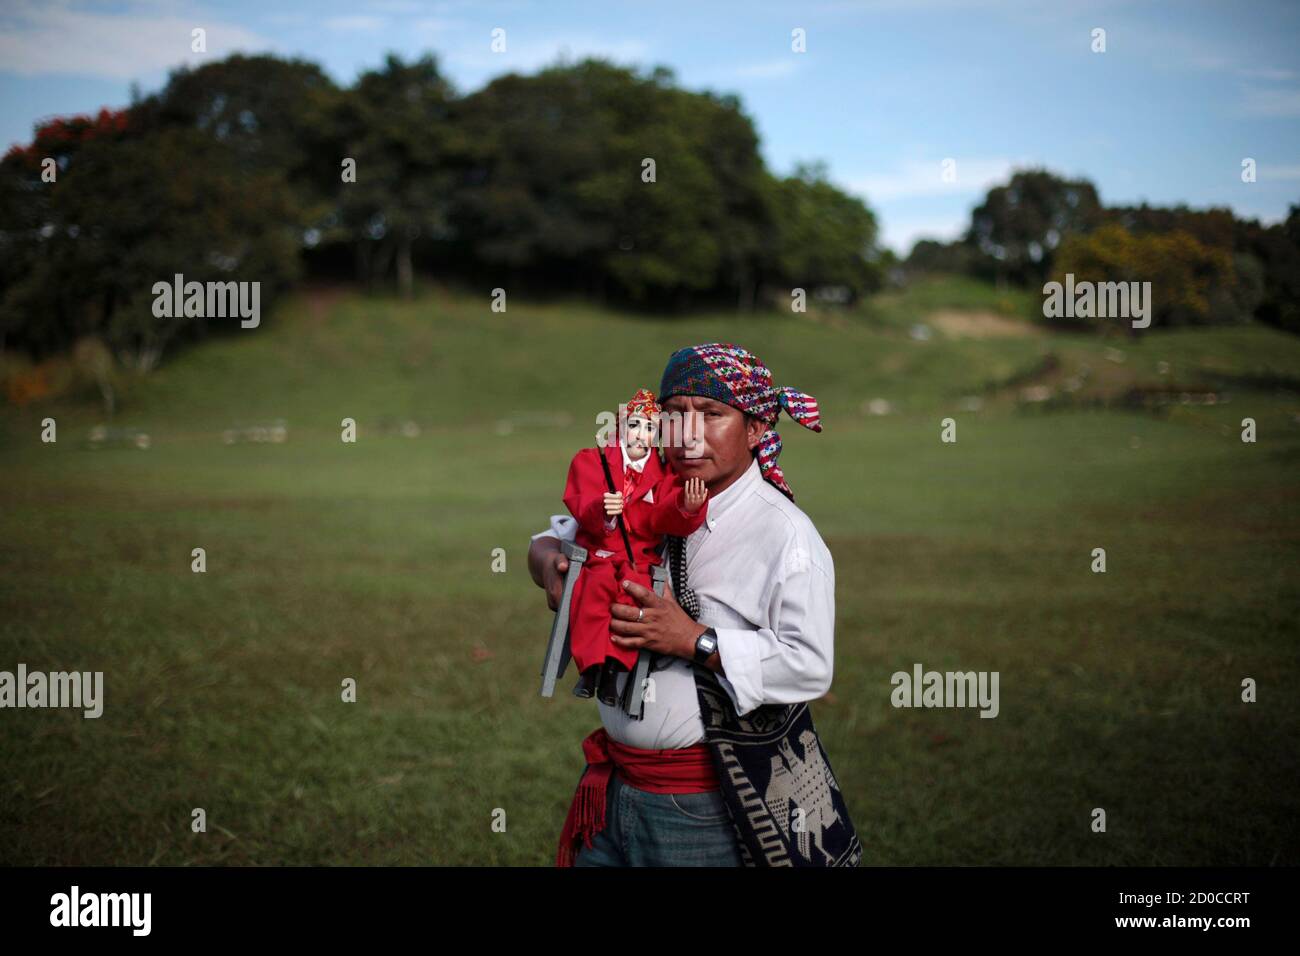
(639,464)
(734,493)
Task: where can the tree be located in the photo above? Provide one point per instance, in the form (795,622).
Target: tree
(823,235)
(554,183)
(129,211)
(1185,274)
(30,279)
(396,126)
(1019,225)
(1277,250)
(1214,227)
(931,256)
(276,118)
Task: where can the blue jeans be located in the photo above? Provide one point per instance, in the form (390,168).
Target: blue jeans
(661,829)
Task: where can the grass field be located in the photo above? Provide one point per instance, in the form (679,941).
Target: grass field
(374,561)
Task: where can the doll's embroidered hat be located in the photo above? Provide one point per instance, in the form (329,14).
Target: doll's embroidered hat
(737,377)
(643,404)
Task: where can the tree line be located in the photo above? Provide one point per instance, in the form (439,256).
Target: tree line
(1205,266)
(584,177)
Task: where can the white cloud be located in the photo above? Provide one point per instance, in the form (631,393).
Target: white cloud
(527,55)
(915,179)
(733,74)
(901,232)
(913,202)
(1269,173)
(438,24)
(1269,73)
(39,40)
(1272,102)
(1211,62)
(355,24)
(781,66)
(871,7)
(286,19)
(395,6)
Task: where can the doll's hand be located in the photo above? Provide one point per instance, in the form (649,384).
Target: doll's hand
(695,494)
(613,503)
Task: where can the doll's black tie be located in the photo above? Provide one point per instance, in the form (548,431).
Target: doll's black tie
(685,596)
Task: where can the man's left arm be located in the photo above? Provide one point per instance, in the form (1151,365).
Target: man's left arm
(794,663)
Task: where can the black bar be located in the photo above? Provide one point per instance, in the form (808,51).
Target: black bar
(977,905)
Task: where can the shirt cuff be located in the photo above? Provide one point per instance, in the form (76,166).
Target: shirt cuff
(743,677)
(564,527)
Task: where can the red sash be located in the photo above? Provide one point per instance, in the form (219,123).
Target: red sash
(675,770)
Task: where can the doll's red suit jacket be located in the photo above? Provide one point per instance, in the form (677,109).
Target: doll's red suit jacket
(656,508)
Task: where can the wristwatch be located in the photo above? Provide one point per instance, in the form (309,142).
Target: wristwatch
(705,645)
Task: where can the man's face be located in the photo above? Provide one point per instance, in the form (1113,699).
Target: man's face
(708,439)
(640,437)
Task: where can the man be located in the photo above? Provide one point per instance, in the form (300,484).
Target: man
(764,585)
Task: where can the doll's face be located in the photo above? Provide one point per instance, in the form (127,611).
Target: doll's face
(640,436)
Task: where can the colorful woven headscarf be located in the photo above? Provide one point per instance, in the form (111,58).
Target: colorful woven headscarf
(738,377)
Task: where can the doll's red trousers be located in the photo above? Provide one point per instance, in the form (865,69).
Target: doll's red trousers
(599,585)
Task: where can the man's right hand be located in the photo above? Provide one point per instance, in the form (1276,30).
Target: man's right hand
(548,565)
(554,566)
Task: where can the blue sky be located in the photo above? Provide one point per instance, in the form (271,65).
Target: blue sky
(887,90)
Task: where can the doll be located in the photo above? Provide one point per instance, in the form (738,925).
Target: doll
(651,501)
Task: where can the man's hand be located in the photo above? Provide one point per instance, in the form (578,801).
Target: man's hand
(695,492)
(613,503)
(548,565)
(664,627)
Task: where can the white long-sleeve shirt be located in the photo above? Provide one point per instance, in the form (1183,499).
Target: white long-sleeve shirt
(766,583)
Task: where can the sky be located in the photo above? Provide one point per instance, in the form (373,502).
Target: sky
(885,92)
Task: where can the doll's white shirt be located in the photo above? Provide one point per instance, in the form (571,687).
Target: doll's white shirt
(638,465)
(766,583)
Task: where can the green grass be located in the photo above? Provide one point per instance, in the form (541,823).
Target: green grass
(905,306)
(374,561)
